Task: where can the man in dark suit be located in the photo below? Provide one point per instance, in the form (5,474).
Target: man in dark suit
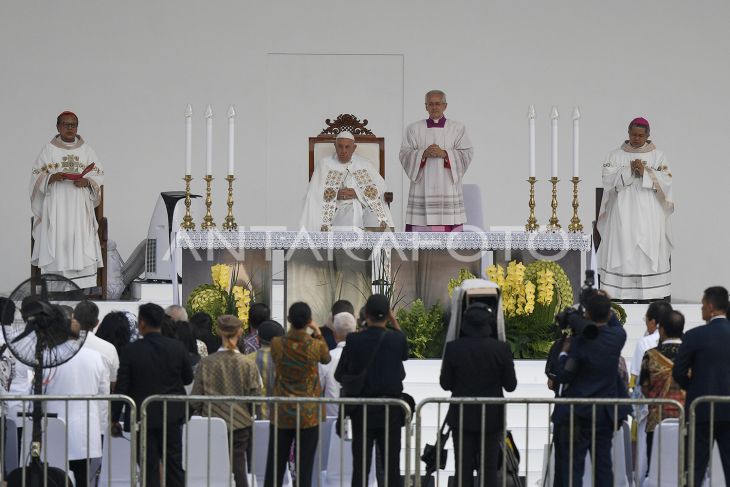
(155,365)
(477,365)
(589,369)
(381,352)
(702,368)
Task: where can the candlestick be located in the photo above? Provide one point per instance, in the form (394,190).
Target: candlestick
(532,225)
(554,225)
(187,223)
(575,224)
(231,140)
(554,142)
(208,223)
(189,140)
(576,141)
(209,140)
(230,223)
(531,132)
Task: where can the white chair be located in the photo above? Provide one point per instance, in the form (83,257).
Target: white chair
(715,471)
(53,450)
(260,452)
(339,463)
(664,455)
(473,206)
(205,452)
(323,449)
(116,462)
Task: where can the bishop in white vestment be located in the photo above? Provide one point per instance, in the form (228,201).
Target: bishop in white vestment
(65,187)
(435,154)
(634,220)
(345,193)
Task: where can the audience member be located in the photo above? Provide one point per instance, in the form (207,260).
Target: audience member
(339,306)
(114,328)
(203,331)
(343,324)
(261,358)
(655,377)
(155,365)
(296,356)
(702,368)
(257,314)
(381,353)
(178,314)
(477,365)
(86,314)
(227,373)
(85,374)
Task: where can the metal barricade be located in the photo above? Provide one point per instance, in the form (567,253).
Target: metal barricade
(63,415)
(698,428)
(224,407)
(547,406)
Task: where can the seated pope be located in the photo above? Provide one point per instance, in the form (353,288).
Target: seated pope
(345,192)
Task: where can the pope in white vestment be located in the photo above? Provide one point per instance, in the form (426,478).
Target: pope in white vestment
(65,187)
(345,192)
(634,220)
(435,154)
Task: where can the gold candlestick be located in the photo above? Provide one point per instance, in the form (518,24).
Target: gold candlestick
(554,225)
(575,224)
(230,223)
(208,223)
(187,223)
(532,225)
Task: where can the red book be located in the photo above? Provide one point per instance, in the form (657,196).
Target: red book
(75,176)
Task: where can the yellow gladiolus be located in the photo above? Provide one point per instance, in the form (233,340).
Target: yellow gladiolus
(221,276)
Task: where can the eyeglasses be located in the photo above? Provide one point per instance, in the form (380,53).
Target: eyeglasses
(67,125)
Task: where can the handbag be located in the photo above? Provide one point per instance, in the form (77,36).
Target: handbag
(354,384)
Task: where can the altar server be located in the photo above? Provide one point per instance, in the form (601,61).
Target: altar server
(65,187)
(435,154)
(634,220)
(346,192)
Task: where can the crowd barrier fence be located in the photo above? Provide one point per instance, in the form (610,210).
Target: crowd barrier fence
(709,402)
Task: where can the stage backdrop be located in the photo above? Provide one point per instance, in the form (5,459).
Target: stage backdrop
(129,68)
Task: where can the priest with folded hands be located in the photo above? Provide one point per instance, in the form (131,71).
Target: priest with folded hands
(65,187)
(345,193)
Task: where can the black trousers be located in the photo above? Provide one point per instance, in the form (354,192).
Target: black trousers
(278,454)
(81,474)
(581,440)
(174,474)
(240,445)
(375,436)
(470,458)
(721,434)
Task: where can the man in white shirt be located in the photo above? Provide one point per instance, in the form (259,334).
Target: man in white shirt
(344,324)
(87,315)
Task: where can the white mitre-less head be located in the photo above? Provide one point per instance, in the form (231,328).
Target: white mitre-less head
(345,135)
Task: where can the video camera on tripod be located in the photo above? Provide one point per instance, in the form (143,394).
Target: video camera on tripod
(573,319)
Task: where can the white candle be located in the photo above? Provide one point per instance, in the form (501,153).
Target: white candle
(209,141)
(188,140)
(554,142)
(576,141)
(531,125)
(231,139)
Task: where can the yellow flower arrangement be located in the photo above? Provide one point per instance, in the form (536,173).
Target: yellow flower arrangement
(220,274)
(518,295)
(545,286)
(223,296)
(242,296)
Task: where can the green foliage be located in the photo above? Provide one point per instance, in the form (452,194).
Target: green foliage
(210,299)
(528,338)
(620,312)
(464,274)
(563,287)
(424,329)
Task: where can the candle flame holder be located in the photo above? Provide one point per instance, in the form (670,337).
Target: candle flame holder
(575,225)
(532,225)
(187,223)
(208,223)
(230,223)
(554,225)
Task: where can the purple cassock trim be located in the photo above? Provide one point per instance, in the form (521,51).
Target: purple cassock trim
(434,228)
(436,125)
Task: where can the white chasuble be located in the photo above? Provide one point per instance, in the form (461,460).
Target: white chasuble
(635,227)
(435,196)
(64,225)
(324,212)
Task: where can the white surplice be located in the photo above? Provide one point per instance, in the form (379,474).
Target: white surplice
(323,211)
(436,197)
(84,375)
(64,225)
(635,226)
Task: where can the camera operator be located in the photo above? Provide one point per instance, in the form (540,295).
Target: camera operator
(588,368)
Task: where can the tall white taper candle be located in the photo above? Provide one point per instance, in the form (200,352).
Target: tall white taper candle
(209,140)
(531,131)
(576,141)
(188,140)
(554,142)
(231,138)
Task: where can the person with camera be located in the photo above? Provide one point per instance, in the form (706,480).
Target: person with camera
(588,368)
(477,365)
